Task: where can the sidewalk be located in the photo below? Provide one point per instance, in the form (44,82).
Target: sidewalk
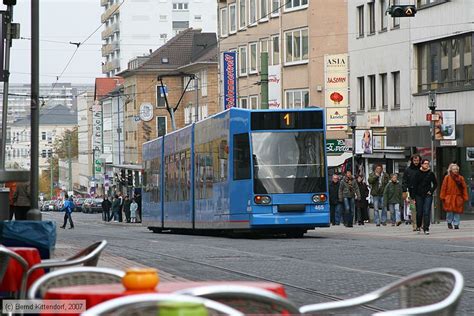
(437,231)
(108,260)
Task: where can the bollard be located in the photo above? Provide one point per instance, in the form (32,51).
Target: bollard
(4,204)
(34,215)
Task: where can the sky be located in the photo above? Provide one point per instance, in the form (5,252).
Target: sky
(61,22)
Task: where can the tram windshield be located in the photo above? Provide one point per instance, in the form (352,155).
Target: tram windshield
(288,162)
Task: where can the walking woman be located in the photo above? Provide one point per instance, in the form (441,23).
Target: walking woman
(425,185)
(454,195)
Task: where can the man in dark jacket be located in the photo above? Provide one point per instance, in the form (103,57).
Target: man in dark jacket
(126,208)
(408,182)
(425,185)
(106,204)
(334,205)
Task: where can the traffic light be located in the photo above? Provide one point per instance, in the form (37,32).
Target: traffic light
(402,11)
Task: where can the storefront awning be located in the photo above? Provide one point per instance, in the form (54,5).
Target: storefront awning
(128,167)
(335,161)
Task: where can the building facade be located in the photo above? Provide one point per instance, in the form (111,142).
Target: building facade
(398,67)
(136,27)
(298,37)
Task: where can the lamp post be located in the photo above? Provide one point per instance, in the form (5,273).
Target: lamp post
(432,107)
(353,124)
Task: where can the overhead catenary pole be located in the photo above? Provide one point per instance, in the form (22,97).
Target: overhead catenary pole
(34,213)
(196,110)
(432,107)
(264,80)
(8,43)
(69,139)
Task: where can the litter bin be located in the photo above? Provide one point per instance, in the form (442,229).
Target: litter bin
(37,234)
(4,204)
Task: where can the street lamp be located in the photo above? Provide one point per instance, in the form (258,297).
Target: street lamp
(432,107)
(353,124)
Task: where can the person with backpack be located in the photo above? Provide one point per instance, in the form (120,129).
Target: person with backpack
(68,208)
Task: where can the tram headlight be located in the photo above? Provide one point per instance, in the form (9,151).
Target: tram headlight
(262,199)
(318,198)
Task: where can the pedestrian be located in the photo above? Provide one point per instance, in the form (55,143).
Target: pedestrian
(133,211)
(362,204)
(138,199)
(392,197)
(126,208)
(21,200)
(408,186)
(106,204)
(453,195)
(120,214)
(12,186)
(348,194)
(425,185)
(378,179)
(115,209)
(68,208)
(334,205)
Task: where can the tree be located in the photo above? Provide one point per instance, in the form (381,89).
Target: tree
(60,145)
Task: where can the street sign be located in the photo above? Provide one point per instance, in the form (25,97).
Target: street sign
(432,117)
(448,143)
(336,127)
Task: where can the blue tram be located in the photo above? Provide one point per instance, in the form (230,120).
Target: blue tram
(239,170)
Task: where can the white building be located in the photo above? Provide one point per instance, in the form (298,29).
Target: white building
(84,135)
(135,27)
(395,63)
(53,123)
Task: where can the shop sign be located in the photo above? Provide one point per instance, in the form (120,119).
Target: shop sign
(336,116)
(376,119)
(230,79)
(336,80)
(470,153)
(336,146)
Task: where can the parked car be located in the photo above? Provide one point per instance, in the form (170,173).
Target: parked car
(48,206)
(79,204)
(92,206)
(58,205)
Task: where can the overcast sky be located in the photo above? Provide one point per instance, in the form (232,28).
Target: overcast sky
(61,21)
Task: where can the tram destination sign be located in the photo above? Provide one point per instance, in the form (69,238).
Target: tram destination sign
(287,120)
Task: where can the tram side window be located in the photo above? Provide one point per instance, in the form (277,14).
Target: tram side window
(241,156)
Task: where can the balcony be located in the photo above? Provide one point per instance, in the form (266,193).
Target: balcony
(109,48)
(108,13)
(104,3)
(111,65)
(114,28)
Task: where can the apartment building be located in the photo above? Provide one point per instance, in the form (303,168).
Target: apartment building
(397,65)
(135,27)
(182,74)
(298,36)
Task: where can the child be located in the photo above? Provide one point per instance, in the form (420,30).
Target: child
(133,211)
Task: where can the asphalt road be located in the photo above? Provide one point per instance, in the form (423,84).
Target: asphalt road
(336,262)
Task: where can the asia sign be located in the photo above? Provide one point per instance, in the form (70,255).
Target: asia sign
(229,70)
(3,35)
(336,80)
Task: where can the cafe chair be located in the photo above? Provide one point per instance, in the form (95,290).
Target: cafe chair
(74,276)
(5,256)
(247,299)
(88,257)
(149,304)
(428,292)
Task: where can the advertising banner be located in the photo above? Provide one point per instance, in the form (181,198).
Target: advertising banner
(3,34)
(97,134)
(229,70)
(445,126)
(336,116)
(274,87)
(336,80)
(363,141)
